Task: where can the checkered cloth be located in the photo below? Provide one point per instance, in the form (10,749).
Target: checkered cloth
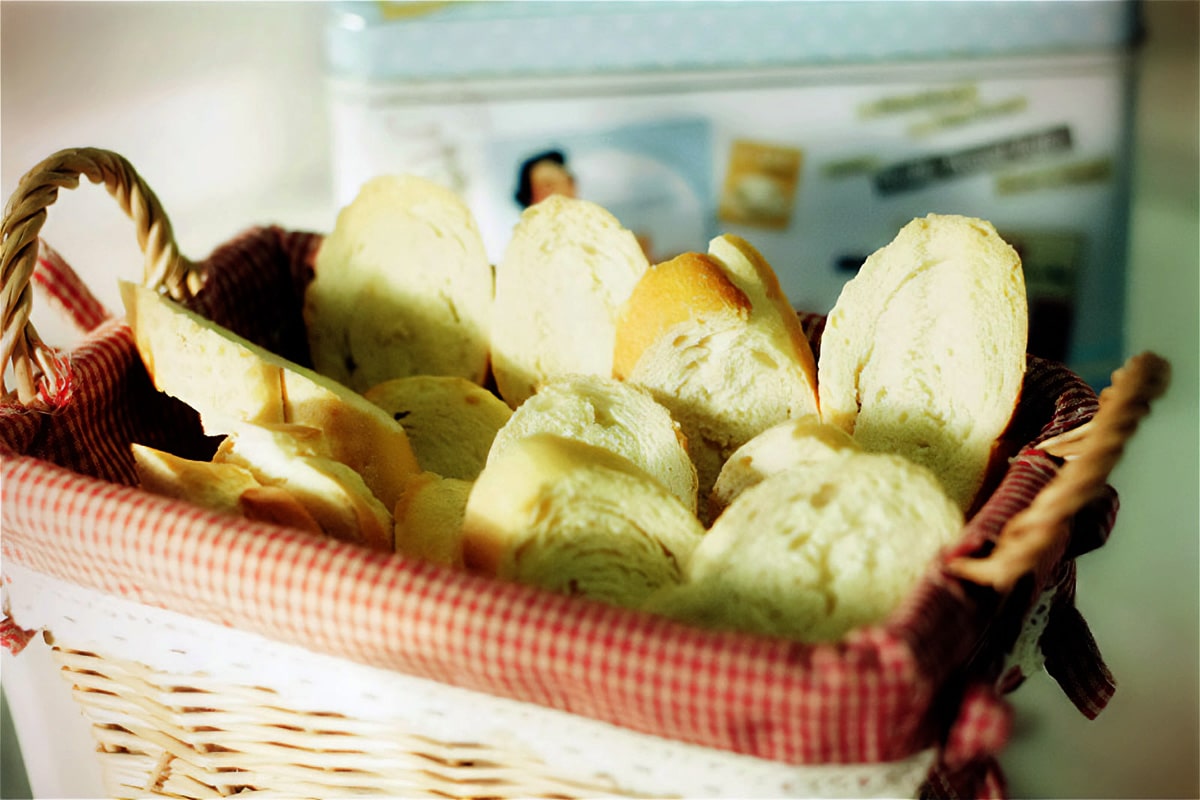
(930,675)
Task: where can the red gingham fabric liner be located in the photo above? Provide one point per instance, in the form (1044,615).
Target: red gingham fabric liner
(66,292)
(926,676)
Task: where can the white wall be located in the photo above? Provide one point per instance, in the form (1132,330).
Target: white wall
(220,107)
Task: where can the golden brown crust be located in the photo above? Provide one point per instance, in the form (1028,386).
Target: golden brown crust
(277,506)
(231,380)
(769,280)
(686,287)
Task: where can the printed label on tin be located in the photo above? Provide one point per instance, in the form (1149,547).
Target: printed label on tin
(1076,173)
(760,185)
(921,172)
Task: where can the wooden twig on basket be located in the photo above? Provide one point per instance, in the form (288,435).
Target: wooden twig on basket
(1034,539)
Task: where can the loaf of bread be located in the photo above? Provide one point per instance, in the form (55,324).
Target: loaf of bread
(230,380)
(295,458)
(429,517)
(402,286)
(716,342)
(620,417)
(792,443)
(571,517)
(566,271)
(923,353)
(450,421)
(817,550)
(228,488)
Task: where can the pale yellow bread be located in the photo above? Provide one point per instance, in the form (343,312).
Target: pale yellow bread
(220,487)
(279,506)
(817,550)
(295,458)
(621,417)
(429,518)
(571,517)
(402,286)
(924,352)
(229,380)
(715,341)
(450,421)
(789,444)
(566,271)
(215,486)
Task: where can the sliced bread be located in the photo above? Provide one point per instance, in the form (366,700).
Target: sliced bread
(402,286)
(789,444)
(817,550)
(575,518)
(225,487)
(715,341)
(295,458)
(566,271)
(429,516)
(230,380)
(621,417)
(924,352)
(450,421)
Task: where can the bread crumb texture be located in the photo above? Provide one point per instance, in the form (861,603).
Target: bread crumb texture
(620,417)
(402,286)
(924,352)
(572,517)
(816,550)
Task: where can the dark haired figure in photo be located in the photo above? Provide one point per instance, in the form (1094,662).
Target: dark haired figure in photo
(542,175)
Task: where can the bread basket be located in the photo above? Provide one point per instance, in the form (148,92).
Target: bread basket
(214,655)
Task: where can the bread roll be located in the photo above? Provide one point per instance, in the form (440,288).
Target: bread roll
(789,444)
(620,417)
(221,487)
(230,380)
(567,269)
(450,421)
(402,286)
(429,516)
(714,339)
(817,550)
(575,518)
(924,352)
(295,458)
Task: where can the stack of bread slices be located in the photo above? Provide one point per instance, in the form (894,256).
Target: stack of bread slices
(656,436)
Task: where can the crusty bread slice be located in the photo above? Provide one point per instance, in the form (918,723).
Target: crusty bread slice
(450,421)
(575,518)
(818,549)
(789,444)
(229,380)
(567,269)
(222,487)
(215,486)
(924,352)
(279,506)
(429,518)
(402,286)
(621,417)
(295,458)
(714,340)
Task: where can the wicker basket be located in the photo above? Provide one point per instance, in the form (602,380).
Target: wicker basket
(217,656)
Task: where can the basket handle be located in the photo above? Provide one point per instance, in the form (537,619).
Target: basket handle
(1034,539)
(165,269)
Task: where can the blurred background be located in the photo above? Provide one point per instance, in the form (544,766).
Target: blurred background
(813,129)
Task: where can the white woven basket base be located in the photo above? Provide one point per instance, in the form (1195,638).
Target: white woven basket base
(593,753)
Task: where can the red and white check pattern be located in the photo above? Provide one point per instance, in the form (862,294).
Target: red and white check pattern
(70,510)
